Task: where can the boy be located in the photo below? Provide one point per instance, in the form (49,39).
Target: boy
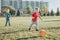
(7,17)
(35,16)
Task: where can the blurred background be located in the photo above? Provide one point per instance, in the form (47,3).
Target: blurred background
(26,7)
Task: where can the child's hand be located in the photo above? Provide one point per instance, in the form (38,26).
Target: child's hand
(41,18)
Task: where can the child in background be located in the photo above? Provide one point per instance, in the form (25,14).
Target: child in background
(35,16)
(7,17)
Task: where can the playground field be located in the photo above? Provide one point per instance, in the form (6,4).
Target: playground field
(19,29)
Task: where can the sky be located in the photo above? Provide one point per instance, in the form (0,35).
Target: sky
(53,4)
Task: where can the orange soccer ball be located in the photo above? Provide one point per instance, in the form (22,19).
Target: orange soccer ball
(42,32)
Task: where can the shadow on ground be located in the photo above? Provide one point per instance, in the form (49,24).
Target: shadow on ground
(50,28)
(14,31)
(42,38)
(26,38)
(52,21)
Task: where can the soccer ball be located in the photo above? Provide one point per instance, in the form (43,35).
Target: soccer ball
(42,32)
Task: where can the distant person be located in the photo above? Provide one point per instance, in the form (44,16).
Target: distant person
(7,17)
(18,12)
(35,16)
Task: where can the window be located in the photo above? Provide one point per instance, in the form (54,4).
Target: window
(20,4)
(32,4)
(2,2)
(24,4)
(37,4)
(10,2)
(0,6)
(27,3)
(15,4)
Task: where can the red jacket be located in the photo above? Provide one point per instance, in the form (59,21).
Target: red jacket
(35,16)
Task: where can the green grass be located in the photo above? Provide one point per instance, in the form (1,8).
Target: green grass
(19,29)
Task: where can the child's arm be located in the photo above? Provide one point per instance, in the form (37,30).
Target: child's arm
(40,17)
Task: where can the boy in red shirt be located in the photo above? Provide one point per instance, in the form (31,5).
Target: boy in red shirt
(35,16)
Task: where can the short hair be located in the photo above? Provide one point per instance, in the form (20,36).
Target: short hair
(36,8)
(8,10)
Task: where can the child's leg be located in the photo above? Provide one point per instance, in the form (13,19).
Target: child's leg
(9,22)
(31,26)
(36,23)
(6,23)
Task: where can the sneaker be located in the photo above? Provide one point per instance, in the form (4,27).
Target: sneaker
(9,24)
(5,25)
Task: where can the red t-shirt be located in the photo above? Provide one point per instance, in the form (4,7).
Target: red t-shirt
(35,16)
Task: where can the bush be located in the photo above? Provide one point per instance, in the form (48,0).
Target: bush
(44,14)
(29,10)
(57,13)
(12,12)
(52,12)
(12,9)
(48,14)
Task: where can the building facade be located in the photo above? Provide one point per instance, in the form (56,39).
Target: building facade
(33,4)
(0,6)
(22,4)
(14,3)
